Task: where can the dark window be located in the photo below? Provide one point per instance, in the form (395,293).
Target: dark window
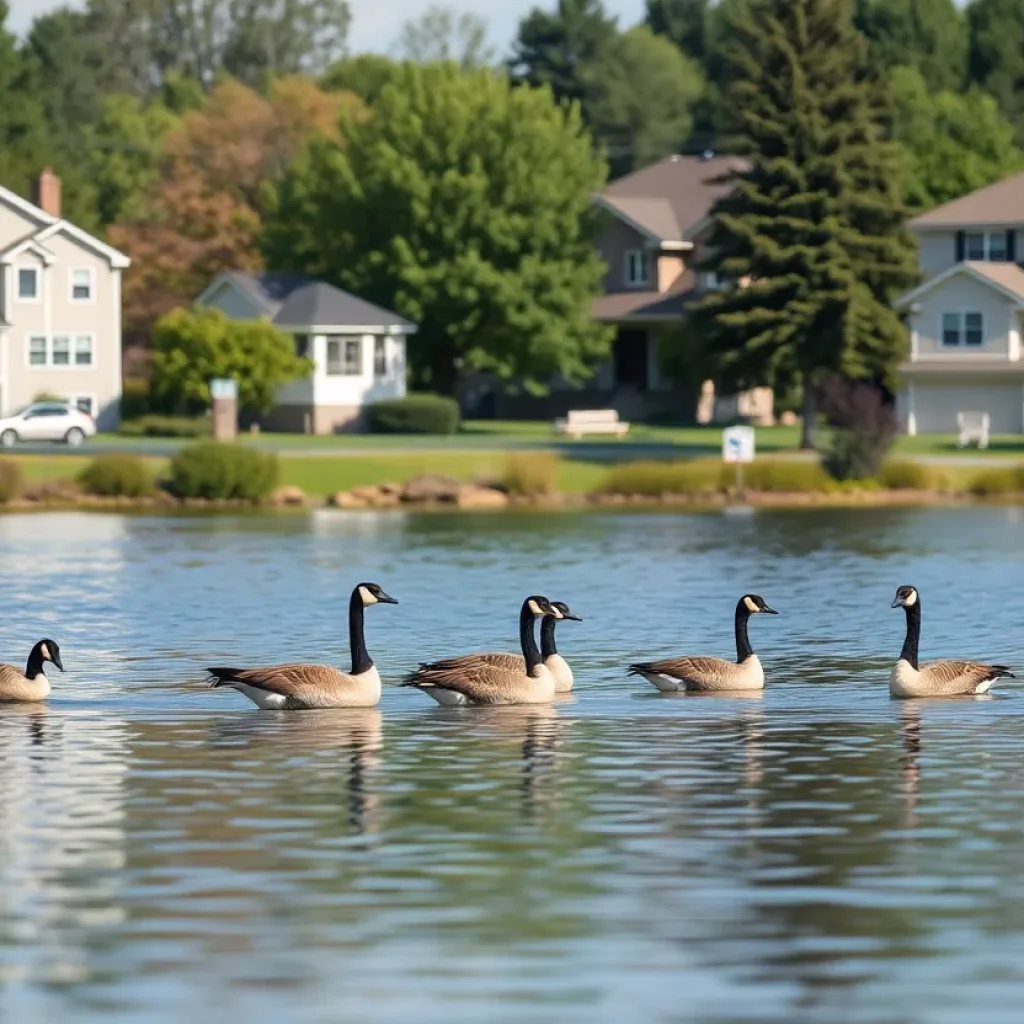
(302,345)
(380,357)
(630,354)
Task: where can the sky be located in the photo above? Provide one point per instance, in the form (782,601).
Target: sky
(375,23)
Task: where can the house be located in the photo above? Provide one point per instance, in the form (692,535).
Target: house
(358,348)
(965,318)
(60,307)
(654,224)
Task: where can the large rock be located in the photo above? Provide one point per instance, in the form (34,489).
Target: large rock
(374,496)
(472,496)
(288,495)
(430,488)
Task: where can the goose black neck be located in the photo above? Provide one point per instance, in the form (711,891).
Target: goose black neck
(743,648)
(361,660)
(35,661)
(547,636)
(527,639)
(913,637)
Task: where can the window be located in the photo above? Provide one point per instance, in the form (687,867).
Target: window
(997,246)
(636,267)
(47,411)
(28,284)
(975,248)
(81,285)
(380,357)
(963,329)
(344,357)
(60,350)
(83,350)
(302,345)
(36,351)
(84,403)
(986,245)
(713,280)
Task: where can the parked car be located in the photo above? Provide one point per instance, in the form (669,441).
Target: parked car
(47,421)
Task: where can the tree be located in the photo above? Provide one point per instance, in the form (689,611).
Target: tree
(813,231)
(364,75)
(996,61)
(952,143)
(22,119)
(930,35)
(644,92)
(442,33)
(685,23)
(436,207)
(556,49)
(193,346)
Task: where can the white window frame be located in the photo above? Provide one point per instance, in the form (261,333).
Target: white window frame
(73,340)
(29,338)
(18,297)
(961,319)
(71,285)
(637,258)
(380,348)
(91,399)
(344,369)
(986,246)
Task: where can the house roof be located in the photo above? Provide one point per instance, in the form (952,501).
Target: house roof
(1000,204)
(1007,278)
(294,300)
(670,198)
(645,306)
(47,225)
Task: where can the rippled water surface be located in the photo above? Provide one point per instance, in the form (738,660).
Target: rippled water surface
(819,853)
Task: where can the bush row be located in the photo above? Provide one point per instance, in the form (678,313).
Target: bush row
(154,425)
(711,476)
(414,414)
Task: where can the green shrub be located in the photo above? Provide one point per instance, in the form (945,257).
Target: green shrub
(786,475)
(121,476)
(904,475)
(531,473)
(166,426)
(135,399)
(864,429)
(653,479)
(12,481)
(218,471)
(414,414)
(998,480)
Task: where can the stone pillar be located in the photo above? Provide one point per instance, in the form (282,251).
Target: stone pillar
(224,394)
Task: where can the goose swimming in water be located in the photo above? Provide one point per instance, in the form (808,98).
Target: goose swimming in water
(32,684)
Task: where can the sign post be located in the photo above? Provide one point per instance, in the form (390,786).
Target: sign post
(738,447)
(224,395)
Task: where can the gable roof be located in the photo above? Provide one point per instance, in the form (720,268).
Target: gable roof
(669,199)
(295,300)
(47,225)
(998,205)
(1006,278)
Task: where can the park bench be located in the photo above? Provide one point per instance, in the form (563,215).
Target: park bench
(578,422)
(973,426)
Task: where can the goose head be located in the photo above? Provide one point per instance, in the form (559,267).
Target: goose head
(756,605)
(563,608)
(371,593)
(49,651)
(541,606)
(906,597)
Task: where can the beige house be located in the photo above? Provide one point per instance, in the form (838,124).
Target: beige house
(357,348)
(965,318)
(60,307)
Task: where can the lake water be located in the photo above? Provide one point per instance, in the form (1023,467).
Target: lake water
(821,853)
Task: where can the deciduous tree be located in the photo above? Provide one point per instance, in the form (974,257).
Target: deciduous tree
(462,203)
(443,33)
(996,59)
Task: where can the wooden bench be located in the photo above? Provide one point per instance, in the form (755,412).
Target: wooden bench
(973,426)
(591,421)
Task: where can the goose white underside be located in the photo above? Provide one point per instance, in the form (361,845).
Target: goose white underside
(261,698)
(446,698)
(667,684)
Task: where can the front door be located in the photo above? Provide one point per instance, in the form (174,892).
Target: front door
(630,354)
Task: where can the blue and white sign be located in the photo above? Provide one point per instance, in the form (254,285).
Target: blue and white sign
(738,444)
(223,387)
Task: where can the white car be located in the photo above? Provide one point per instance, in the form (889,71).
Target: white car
(47,421)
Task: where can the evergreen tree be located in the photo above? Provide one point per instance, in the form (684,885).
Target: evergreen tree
(997,54)
(812,234)
(685,22)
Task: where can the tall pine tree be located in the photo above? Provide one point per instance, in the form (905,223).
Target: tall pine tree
(813,231)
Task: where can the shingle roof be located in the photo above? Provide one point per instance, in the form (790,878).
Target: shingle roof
(675,194)
(1008,275)
(1000,204)
(294,300)
(618,307)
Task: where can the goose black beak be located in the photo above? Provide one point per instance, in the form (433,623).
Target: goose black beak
(571,615)
(58,662)
(897,603)
(386,598)
(768,611)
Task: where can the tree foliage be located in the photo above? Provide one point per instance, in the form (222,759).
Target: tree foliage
(685,22)
(997,54)
(443,33)
(952,143)
(813,232)
(435,208)
(193,346)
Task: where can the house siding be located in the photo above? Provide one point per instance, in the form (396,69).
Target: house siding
(931,407)
(232,302)
(962,293)
(613,243)
(937,250)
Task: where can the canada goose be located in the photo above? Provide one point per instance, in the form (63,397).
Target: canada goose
(296,686)
(482,682)
(549,653)
(32,685)
(704,673)
(936,678)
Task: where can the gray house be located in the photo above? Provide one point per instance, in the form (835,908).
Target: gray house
(357,347)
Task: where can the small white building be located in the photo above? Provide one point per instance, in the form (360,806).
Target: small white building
(358,348)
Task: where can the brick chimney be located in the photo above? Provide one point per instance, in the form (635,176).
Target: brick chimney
(46,192)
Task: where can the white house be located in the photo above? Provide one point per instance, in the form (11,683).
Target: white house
(60,307)
(965,318)
(358,348)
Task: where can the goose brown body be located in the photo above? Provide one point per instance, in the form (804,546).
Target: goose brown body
(476,679)
(707,673)
(30,685)
(949,677)
(295,686)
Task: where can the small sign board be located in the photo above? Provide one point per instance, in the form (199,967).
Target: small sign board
(738,444)
(224,387)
